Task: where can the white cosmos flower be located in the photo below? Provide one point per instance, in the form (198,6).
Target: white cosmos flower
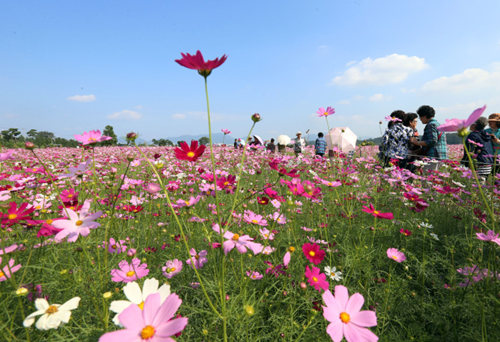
(135,296)
(332,273)
(52,314)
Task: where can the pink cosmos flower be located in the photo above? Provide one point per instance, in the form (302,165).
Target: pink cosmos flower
(9,249)
(376,213)
(7,155)
(254,275)
(171,268)
(253,218)
(154,323)
(325,112)
(91,137)
(274,270)
(197,62)
(316,279)
(78,224)
(313,253)
(225,131)
(199,259)
(393,253)
(346,319)
(460,125)
(116,246)
(7,270)
(129,272)
(286,258)
(393,119)
(241,243)
(266,234)
(489,236)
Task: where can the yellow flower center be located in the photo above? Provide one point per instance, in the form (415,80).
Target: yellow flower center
(344,317)
(2,274)
(196,256)
(395,257)
(141,305)
(235,237)
(69,195)
(190,154)
(315,279)
(312,253)
(376,212)
(325,113)
(130,273)
(51,309)
(226,183)
(79,222)
(38,207)
(49,221)
(12,216)
(255,221)
(291,249)
(113,246)
(147,332)
(171,269)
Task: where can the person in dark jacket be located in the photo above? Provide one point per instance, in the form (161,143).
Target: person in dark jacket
(478,143)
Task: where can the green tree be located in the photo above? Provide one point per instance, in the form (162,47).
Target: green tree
(204,141)
(109,131)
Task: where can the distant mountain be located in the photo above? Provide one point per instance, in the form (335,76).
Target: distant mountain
(216,138)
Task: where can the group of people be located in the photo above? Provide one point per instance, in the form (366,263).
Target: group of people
(300,144)
(401,141)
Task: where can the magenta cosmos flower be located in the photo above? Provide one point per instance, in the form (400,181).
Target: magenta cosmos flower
(154,323)
(325,112)
(225,131)
(241,243)
(189,152)
(377,213)
(197,62)
(91,137)
(316,279)
(78,224)
(171,268)
(489,236)
(7,270)
(313,253)
(346,319)
(458,125)
(129,272)
(17,214)
(393,253)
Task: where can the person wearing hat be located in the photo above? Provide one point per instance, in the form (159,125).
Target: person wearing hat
(494,132)
(299,144)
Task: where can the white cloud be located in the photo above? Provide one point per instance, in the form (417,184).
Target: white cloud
(378,98)
(470,79)
(125,114)
(390,69)
(179,116)
(460,110)
(82,98)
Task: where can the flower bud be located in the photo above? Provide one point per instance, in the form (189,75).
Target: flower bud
(256,117)
(29,145)
(131,136)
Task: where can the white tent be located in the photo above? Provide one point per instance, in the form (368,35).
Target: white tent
(284,139)
(341,138)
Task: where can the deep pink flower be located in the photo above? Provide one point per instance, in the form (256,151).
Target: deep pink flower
(129,272)
(91,137)
(393,253)
(225,131)
(154,323)
(346,319)
(7,270)
(189,153)
(197,62)
(274,270)
(460,125)
(313,253)
(325,112)
(316,279)
(376,213)
(16,214)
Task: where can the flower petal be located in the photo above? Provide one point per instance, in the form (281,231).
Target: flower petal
(167,309)
(172,327)
(364,318)
(336,331)
(133,292)
(341,296)
(354,304)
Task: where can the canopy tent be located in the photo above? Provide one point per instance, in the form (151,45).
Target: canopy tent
(284,139)
(258,139)
(341,138)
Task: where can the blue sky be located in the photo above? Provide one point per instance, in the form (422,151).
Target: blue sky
(72,66)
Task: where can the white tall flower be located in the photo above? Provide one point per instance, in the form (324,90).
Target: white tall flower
(135,296)
(52,314)
(332,273)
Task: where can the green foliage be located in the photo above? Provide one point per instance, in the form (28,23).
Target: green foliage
(108,131)
(204,141)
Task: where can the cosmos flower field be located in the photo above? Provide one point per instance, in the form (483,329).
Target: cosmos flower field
(140,244)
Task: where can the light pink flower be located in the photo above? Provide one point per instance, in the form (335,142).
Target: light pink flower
(129,272)
(155,323)
(286,258)
(346,319)
(254,275)
(325,112)
(171,268)
(7,270)
(78,224)
(253,218)
(489,236)
(393,253)
(91,137)
(241,243)
(225,131)
(199,259)
(458,124)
